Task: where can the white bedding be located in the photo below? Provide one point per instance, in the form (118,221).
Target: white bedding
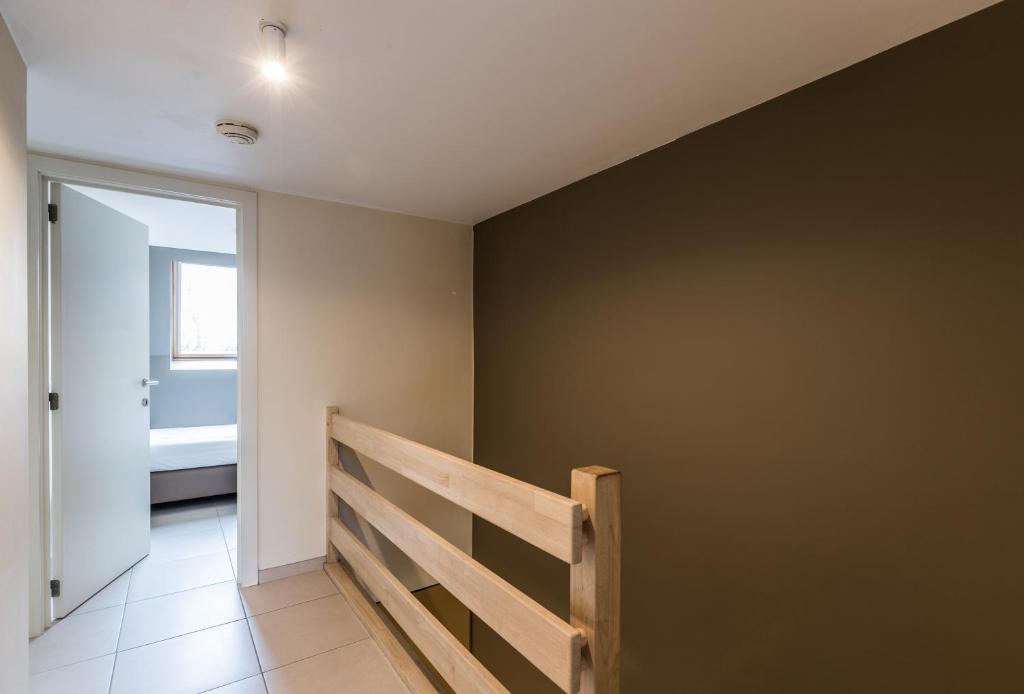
(182,448)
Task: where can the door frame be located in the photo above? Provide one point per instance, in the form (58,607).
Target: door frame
(42,170)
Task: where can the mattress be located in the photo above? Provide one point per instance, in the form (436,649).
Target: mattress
(184,448)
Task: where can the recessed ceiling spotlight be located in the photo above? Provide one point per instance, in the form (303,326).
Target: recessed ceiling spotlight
(272,35)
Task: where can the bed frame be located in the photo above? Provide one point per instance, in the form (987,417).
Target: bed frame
(581,655)
(192,483)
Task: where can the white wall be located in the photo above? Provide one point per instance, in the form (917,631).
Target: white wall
(370,311)
(13,381)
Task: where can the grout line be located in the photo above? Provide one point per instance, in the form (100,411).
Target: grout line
(224,538)
(314,655)
(124,607)
(120,628)
(194,556)
(164,563)
(197,556)
(74,662)
(245,612)
(78,610)
(113,667)
(185,533)
(74,614)
(175,592)
(228,684)
(278,609)
(252,640)
(183,521)
(187,633)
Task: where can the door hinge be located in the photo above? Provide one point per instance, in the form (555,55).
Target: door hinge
(54,401)
(55,588)
(51,210)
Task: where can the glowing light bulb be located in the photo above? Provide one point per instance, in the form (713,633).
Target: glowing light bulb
(272,48)
(274,71)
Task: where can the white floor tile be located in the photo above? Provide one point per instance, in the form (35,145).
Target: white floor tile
(113,595)
(152,580)
(233,556)
(182,546)
(285,592)
(187,664)
(87,677)
(184,527)
(76,638)
(229,524)
(251,685)
(297,632)
(172,615)
(359,668)
(180,514)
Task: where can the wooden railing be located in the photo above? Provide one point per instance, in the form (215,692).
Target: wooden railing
(581,655)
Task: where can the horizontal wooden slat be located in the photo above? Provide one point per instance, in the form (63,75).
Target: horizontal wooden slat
(400,659)
(546,520)
(451,659)
(551,644)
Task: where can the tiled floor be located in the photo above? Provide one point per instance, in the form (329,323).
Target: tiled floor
(177,623)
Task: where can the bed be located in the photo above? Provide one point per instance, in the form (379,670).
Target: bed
(192,462)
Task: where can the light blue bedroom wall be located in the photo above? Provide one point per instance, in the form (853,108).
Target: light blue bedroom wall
(183,398)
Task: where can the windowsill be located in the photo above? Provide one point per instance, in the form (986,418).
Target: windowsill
(204,365)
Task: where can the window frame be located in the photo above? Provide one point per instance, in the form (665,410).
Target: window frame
(176,354)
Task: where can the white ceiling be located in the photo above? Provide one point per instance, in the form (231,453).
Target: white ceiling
(451,109)
(173,223)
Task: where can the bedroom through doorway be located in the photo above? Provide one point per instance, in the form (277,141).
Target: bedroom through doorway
(144,333)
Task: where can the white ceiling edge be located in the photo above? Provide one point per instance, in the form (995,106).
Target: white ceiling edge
(142,168)
(173,223)
(447,111)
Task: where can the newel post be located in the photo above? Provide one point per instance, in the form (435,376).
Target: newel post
(333,461)
(595,592)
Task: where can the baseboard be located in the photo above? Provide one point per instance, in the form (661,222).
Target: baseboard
(286,570)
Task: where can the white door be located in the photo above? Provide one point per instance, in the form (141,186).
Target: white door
(100,429)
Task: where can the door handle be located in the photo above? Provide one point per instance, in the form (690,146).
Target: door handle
(149,382)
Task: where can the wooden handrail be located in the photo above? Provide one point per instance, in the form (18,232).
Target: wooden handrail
(546,520)
(579,656)
(406,668)
(595,597)
(456,664)
(547,641)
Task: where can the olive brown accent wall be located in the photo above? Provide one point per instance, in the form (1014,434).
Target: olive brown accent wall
(799,334)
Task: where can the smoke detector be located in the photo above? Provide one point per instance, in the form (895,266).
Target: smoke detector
(238,133)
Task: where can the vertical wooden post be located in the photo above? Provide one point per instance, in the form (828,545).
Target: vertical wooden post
(595,593)
(333,461)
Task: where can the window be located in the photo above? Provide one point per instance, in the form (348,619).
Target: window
(205,315)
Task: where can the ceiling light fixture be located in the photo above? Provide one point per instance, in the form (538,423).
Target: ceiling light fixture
(272,49)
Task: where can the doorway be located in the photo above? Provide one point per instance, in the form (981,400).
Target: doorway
(95,448)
